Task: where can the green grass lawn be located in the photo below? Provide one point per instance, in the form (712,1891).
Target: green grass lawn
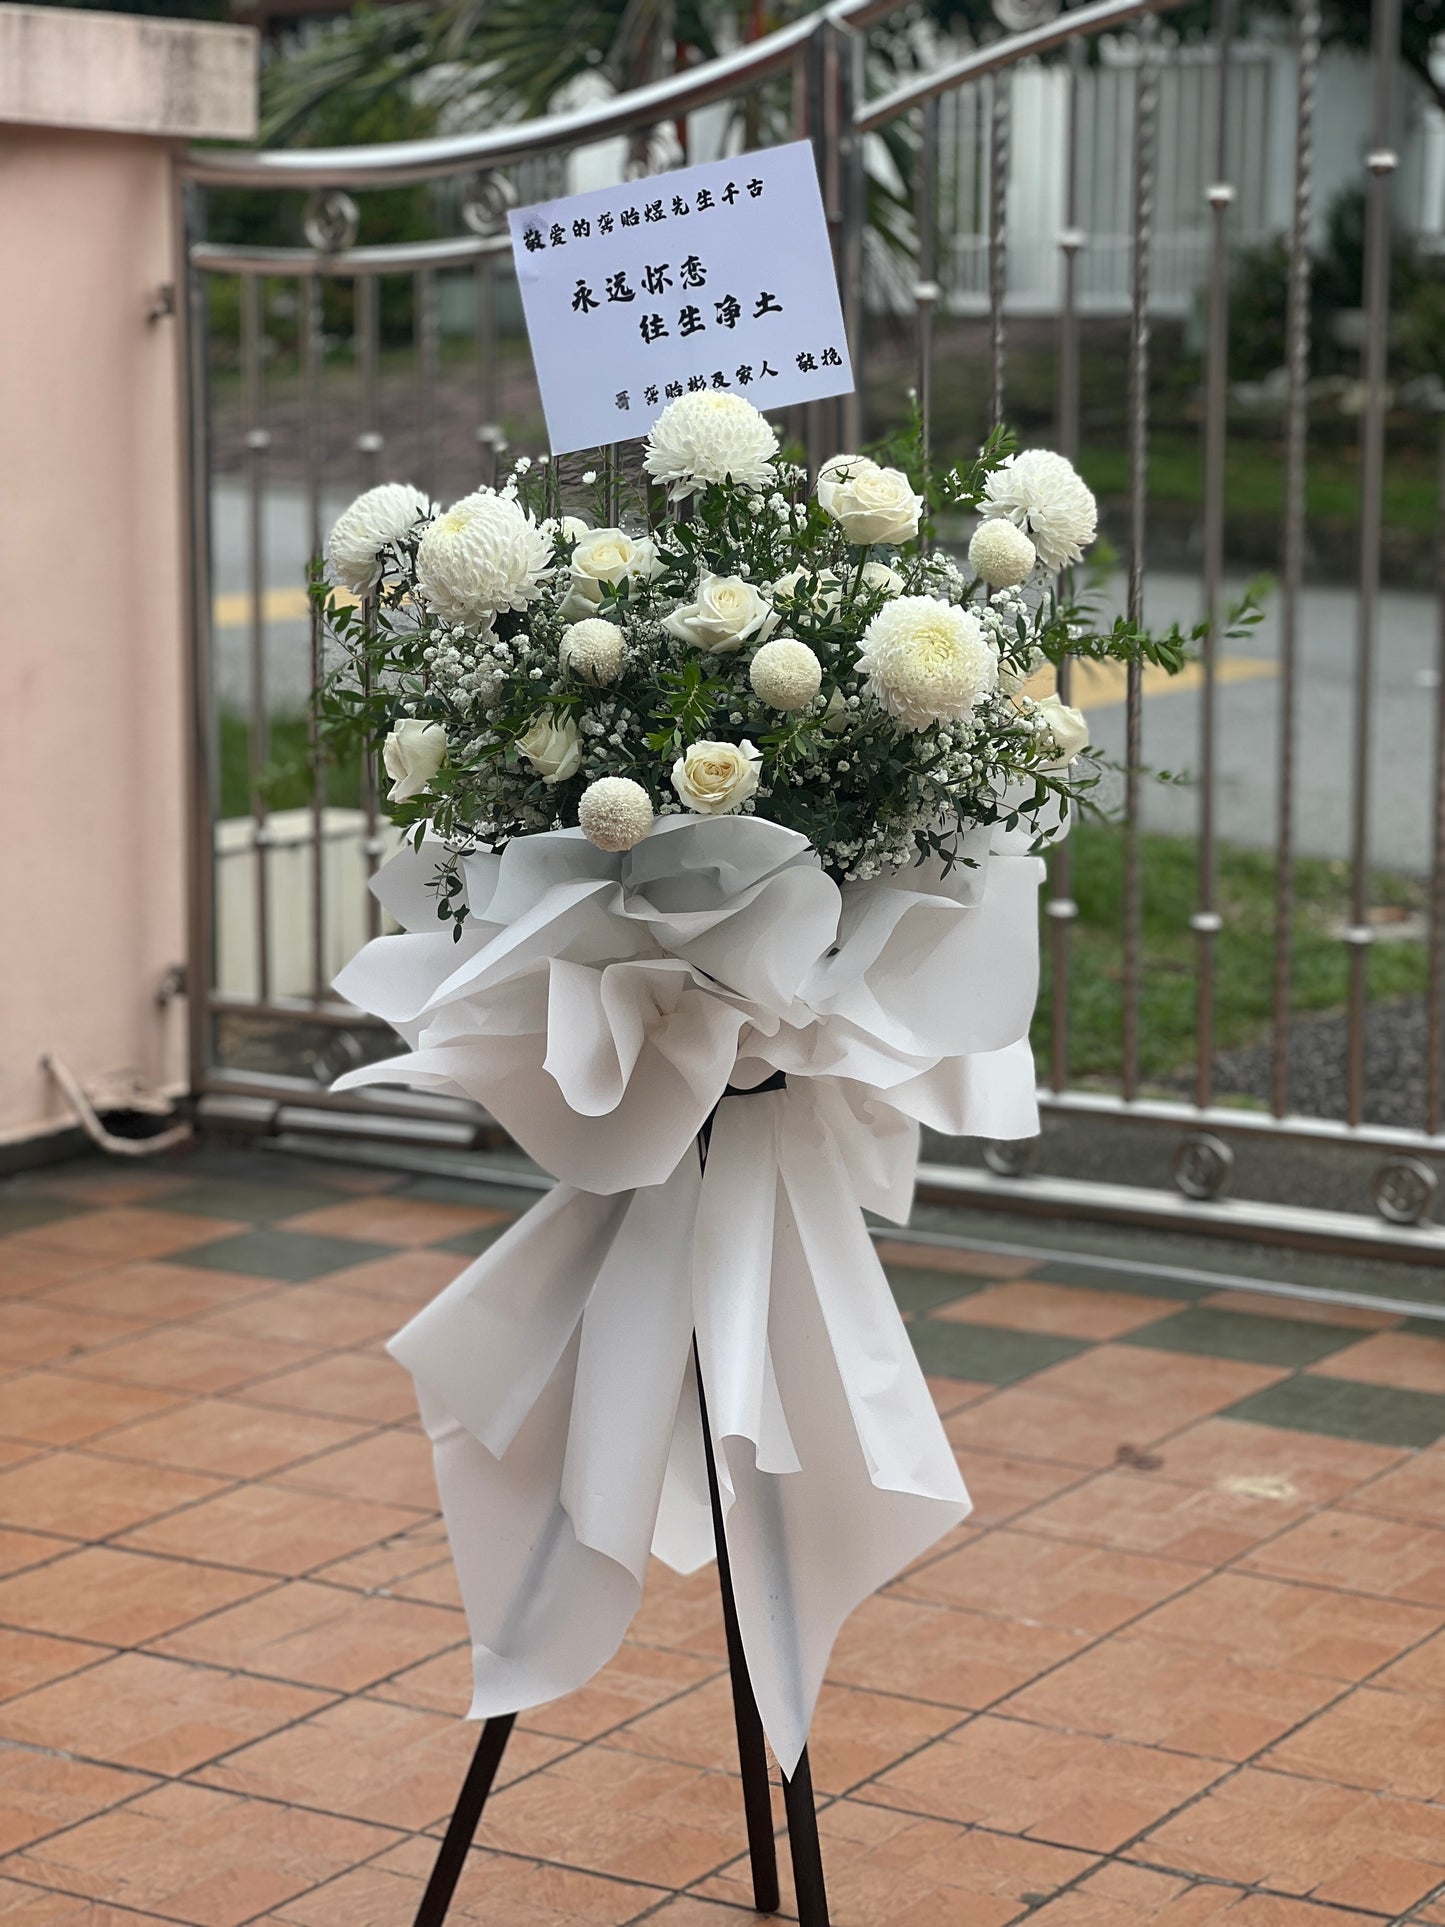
(1244,949)
(286,775)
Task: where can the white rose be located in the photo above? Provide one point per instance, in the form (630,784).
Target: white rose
(727,613)
(878,575)
(1068,727)
(411,755)
(869,503)
(553,746)
(713,779)
(603,558)
(824,599)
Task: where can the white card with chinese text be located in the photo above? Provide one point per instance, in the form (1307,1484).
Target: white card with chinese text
(717,276)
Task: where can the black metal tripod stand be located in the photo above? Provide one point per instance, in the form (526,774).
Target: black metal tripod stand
(798,1799)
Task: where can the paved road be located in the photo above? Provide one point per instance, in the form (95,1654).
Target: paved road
(1248,699)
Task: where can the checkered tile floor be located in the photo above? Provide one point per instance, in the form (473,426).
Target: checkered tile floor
(1185,1665)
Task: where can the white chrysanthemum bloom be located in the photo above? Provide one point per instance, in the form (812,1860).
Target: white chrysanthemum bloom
(726,613)
(615,813)
(1001,554)
(785,674)
(926,661)
(1041,493)
(484,555)
(714,779)
(361,532)
(870,504)
(710,437)
(411,755)
(593,649)
(1069,728)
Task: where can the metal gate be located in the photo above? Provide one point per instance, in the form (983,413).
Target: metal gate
(1244,977)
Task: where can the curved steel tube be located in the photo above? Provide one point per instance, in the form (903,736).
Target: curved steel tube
(401,163)
(397,257)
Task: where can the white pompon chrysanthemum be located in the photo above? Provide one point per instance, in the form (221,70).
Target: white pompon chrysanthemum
(712,436)
(1042,494)
(361,532)
(615,813)
(785,674)
(483,556)
(927,661)
(593,649)
(1001,554)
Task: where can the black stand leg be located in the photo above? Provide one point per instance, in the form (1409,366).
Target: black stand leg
(461,1831)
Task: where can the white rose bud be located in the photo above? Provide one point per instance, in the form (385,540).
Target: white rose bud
(1068,727)
(825,598)
(615,813)
(878,575)
(727,613)
(553,746)
(713,779)
(1001,554)
(869,503)
(411,755)
(785,674)
(593,649)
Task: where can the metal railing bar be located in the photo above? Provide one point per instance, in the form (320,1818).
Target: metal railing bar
(925,287)
(312,362)
(395,257)
(1298,1127)
(403,163)
(369,442)
(1380,164)
(253,328)
(999,161)
(1297,367)
(1098,18)
(1435,966)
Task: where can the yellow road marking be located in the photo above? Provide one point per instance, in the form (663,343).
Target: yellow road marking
(1105,685)
(277,605)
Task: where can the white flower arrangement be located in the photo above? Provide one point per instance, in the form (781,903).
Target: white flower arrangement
(811,655)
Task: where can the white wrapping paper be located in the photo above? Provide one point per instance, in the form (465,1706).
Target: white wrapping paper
(599,1006)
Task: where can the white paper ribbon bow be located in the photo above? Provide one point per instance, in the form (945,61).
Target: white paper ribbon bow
(599,1006)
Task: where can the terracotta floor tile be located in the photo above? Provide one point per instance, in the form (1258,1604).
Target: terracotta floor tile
(155,1714)
(96,1179)
(40,1793)
(26,1266)
(1326,1843)
(51,1334)
(435,1586)
(614,1812)
(59,1408)
(271,1529)
(125,1232)
(350,1385)
(1414,1489)
(191,1358)
(855,1733)
(417,1547)
(1304,1629)
(1420,1673)
(950,1658)
(394,1220)
(1002,1487)
(1051,1582)
(1028,1422)
(21,1549)
(229,1439)
(680,1611)
(157,1293)
(1393,1558)
(408,1278)
(38,1907)
(1406,1360)
(28,1660)
(90,1497)
(1134,1379)
(392,1468)
(1240,1456)
(952,1394)
(319,1636)
(494,1890)
(313,1315)
(970,1264)
(1068,1788)
(1146,1513)
(370,1761)
(1069,1311)
(1120,1896)
(117,1598)
(1161,1693)
(1388,1742)
(199,1856)
(1304,1310)
(888,1869)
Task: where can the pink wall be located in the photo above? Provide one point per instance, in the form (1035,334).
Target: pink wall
(92,728)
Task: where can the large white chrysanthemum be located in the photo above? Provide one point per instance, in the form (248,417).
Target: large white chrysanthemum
(484,555)
(1041,493)
(710,437)
(361,532)
(926,661)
